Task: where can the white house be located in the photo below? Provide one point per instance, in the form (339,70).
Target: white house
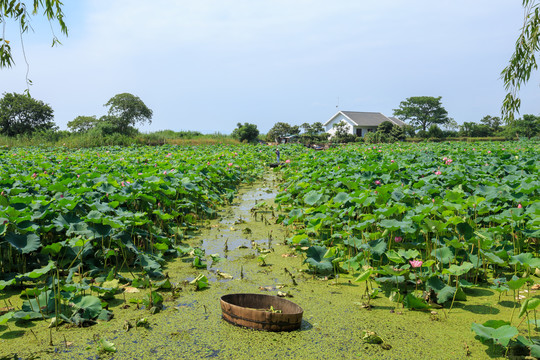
(359,123)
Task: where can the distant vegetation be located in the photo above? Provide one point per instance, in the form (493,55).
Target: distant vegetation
(25,121)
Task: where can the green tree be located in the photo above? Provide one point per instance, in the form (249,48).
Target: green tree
(282,129)
(398,133)
(18,11)
(492,122)
(422,111)
(528,126)
(246,132)
(21,114)
(385,127)
(82,123)
(523,60)
(126,110)
(435,132)
(341,133)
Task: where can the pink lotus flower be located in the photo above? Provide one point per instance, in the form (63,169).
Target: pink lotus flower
(489,151)
(398,239)
(416,263)
(520,206)
(122,184)
(165,172)
(34,175)
(438,173)
(208,163)
(433,201)
(230,164)
(139,174)
(78,176)
(392,161)
(377,182)
(287,161)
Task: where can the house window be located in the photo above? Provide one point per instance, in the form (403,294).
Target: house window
(358,132)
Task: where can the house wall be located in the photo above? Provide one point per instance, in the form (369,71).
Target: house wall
(340,118)
(366,129)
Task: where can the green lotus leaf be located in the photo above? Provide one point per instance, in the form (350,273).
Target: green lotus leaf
(501,335)
(312,197)
(25,243)
(444,292)
(34,274)
(443,254)
(6,317)
(413,303)
(43,301)
(458,270)
(316,260)
(393,256)
(409,254)
(89,307)
(526,259)
(27,315)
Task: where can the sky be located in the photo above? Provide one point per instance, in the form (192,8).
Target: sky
(207,65)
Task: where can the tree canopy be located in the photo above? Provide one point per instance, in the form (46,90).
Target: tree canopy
(422,111)
(82,123)
(127,110)
(523,60)
(281,129)
(247,132)
(18,11)
(21,114)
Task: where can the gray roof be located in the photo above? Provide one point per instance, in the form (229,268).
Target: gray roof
(396,121)
(367,118)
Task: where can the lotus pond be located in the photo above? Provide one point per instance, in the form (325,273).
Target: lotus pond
(394,251)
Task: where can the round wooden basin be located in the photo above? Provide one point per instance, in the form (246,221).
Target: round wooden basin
(261,312)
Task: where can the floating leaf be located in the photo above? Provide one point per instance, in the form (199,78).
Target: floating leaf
(501,335)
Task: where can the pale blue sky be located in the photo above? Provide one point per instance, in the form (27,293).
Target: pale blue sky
(208,64)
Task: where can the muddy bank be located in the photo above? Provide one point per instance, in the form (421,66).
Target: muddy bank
(190,326)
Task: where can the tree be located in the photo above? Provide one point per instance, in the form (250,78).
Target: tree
(341,133)
(435,132)
(126,110)
(492,122)
(82,123)
(313,129)
(281,129)
(17,11)
(523,60)
(246,132)
(528,126)
(21,114)
(385,127)
(422,111)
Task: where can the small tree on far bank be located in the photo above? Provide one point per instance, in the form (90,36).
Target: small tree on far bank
(127,110)
(422,111)
(82,124)
(247,132)
(21,114)
(281,129)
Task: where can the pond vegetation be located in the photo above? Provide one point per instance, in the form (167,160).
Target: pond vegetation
(143,241)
